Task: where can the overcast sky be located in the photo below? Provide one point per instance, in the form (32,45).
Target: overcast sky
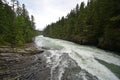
(48,11)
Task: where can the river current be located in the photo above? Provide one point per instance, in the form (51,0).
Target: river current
(70,61)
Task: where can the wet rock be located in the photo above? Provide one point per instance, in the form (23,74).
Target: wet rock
(5,49)
(76,73)
(23,63)
(24,50)
(45,48)
(17,67)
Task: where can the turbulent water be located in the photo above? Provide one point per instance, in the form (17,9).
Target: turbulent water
(70,61)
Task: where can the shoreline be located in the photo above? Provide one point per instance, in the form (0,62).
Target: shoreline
(90,44)
(25,63)
(28,48)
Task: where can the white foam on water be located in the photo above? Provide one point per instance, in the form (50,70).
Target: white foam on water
(54,60)
(83,55)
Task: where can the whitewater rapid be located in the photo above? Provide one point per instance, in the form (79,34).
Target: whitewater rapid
(61,54)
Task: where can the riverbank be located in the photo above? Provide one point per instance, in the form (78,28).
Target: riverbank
(24,63)
(92,42)
(28,48)
(100,45)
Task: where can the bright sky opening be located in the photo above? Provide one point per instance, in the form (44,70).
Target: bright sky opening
(48,11)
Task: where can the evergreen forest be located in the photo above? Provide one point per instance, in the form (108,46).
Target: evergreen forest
(95,23)
(16,26)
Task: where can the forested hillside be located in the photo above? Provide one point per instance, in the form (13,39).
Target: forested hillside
(16,27)
(97,23)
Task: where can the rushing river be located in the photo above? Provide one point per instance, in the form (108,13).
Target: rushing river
(70,61)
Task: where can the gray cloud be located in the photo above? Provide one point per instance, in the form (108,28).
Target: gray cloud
(48,11)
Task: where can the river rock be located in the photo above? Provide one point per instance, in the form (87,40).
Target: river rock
(26,49)
(17,67)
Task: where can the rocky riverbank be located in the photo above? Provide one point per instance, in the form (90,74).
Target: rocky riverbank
(29,48)
(23,63)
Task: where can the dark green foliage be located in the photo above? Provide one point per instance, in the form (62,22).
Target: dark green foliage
(16,28)
(97,23)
